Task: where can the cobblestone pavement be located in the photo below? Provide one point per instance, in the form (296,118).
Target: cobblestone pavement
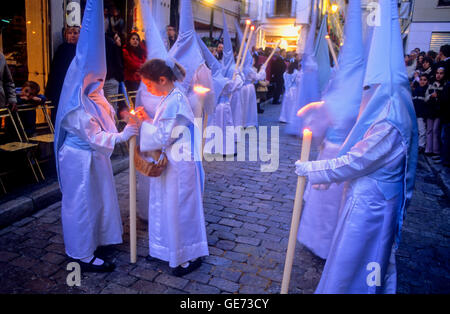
(248,217)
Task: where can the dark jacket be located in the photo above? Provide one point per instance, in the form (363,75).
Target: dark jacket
(418,96)
(7,88)
(277,69)
(114,61)
(58,69)
(434,104)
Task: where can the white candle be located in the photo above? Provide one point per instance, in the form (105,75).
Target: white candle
(271,55)
(247,25)
(333,53)
(298,202)
(132,145)
(246,48)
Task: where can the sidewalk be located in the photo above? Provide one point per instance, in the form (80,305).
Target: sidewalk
(36,199)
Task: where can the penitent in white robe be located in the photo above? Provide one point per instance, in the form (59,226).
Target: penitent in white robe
(177,231)
(222,122)
(290,96)
(374,196)
(90,211)
(248,97)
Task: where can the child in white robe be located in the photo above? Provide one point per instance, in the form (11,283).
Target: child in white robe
(177,231)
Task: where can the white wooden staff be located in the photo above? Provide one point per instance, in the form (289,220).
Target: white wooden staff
(247,25)
(252,29)
(272,53)
(132,146)
(301,181)
(333,53)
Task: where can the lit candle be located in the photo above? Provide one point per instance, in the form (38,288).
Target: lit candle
(298,202)
(132,145)
(252,29)
(247,25)
(201,92)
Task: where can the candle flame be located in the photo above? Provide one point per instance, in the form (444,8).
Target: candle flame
(248,22)
(252,28)
(327,36)
(199,89)
(306,131)
(132,112)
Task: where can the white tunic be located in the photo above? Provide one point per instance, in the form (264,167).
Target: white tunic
(248,97)
(177,231)
(90,211)
(366,228)
(290,96)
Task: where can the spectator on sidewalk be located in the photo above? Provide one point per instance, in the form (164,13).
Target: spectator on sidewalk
(445,124)
(114,67)
(171,36)
(7,87)
(434,105)
(29,95)
(58,68)
(277,70)
(420,107)
(134,55)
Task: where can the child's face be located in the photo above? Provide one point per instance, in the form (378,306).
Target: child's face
(134,41)
(27,93)
(439,74)
(423,81)
(155,88)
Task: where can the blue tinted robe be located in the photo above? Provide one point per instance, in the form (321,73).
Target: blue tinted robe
(176,229)
(374,197)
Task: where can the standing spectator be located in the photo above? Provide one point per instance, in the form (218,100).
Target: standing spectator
(116,22)
(277,69)
(134,56)
(58,68)
(106,21)
(114,66)
(420,107)
(444,60)
(7,87)
(432,54)
(219,52)
(445,123)
(434,104)
(171,36)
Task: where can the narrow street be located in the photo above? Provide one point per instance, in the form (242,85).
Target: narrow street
(248,215)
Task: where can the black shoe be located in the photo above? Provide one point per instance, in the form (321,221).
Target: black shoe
(106,267)
(181,271)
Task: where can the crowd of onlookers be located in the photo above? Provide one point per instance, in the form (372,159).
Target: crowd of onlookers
(429,76)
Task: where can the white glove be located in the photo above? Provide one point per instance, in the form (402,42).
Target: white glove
(301,168)
(129,131)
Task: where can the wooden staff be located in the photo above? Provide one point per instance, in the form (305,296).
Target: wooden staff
(252,29)
(271,55)
(247,25)
(301,181)
(333,53)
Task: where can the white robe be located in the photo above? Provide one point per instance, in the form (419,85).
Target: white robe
(177,231)
(222,121)
(248,97)
(90,211)
(374,195)
(290,96)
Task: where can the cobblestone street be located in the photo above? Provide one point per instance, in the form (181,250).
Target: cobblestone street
(248,215)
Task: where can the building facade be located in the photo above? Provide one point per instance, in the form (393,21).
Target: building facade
(429,25)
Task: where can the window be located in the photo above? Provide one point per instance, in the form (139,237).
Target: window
(283,7)
(444,3)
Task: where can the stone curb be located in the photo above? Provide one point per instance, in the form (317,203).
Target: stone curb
(30,203)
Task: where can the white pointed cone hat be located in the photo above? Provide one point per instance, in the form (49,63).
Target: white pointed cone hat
(186,50)
(228,55)
(155,50)
(219,81)
(153,40)
(389,95)
(85,77)
(343,111)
